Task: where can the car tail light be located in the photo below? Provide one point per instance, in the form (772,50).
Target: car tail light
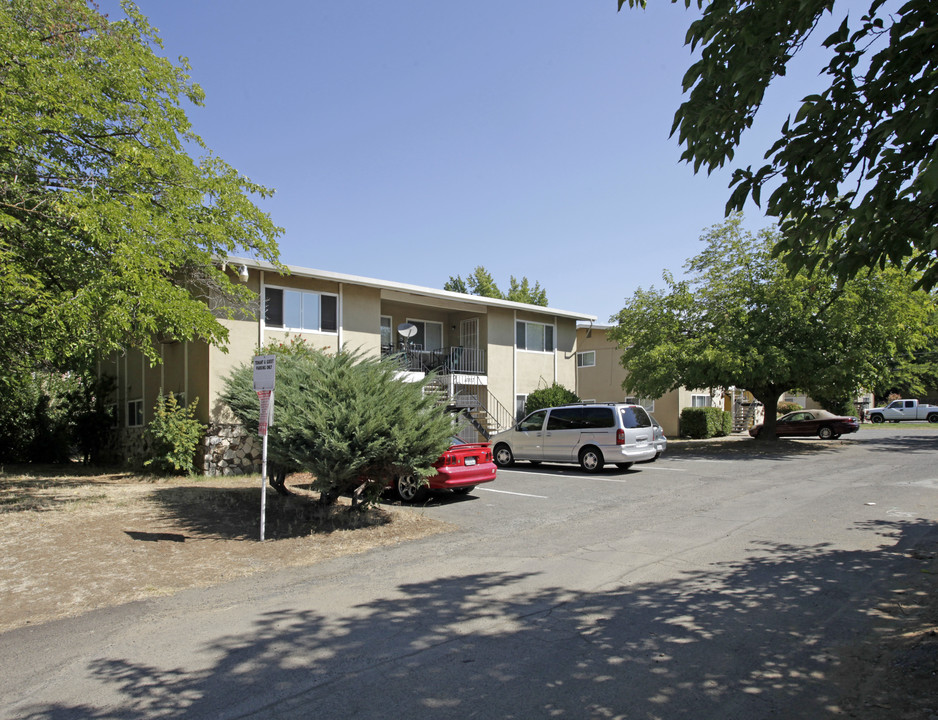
(620,437)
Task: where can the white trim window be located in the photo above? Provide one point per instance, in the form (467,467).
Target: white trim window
(534,337)
(387,332)
(586,359)
(520,402)
(700,401)
(429,335)
(300,310)
(647,403)
(135,413)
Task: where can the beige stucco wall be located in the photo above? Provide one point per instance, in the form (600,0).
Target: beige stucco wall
(242,344)
(360,319)
(603,382)
(500,351)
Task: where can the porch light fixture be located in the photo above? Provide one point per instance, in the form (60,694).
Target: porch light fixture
(243,273)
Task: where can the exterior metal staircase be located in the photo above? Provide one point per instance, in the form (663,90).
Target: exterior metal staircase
(479,414)
(744,415)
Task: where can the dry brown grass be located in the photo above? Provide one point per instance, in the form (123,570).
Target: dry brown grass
(74,540)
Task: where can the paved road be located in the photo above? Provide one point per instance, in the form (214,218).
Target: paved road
(710,585)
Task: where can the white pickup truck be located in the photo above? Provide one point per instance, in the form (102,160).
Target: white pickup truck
(904,410)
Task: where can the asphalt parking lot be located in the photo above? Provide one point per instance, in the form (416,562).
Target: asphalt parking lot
(718,582)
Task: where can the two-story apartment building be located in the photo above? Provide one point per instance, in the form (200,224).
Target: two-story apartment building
(487,354)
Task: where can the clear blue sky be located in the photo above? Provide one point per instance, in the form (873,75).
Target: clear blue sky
(411,141)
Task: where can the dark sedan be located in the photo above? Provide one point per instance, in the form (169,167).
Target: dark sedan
(804,423)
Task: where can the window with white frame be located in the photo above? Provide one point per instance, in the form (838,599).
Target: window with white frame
(586,359)
(429,335)
(387,333)
(647,403)
(300,310)
(700,401)
(520,401)
(135,413)
(534,337)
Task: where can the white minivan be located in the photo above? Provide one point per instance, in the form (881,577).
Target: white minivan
(591,434)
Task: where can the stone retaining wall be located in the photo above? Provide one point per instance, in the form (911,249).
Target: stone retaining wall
(224,450)
(229,450)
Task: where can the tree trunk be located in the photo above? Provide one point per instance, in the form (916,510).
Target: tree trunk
(277,480)
(769,398)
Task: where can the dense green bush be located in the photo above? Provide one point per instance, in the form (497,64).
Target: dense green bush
(705,422)
(345,418)
(549,397)
(40,415)
(785,407)
(173,435)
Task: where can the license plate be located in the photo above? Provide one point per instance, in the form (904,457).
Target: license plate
(470,461)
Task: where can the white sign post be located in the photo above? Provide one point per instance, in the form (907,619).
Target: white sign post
(265,376)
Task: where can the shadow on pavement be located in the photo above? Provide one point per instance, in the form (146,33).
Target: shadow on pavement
(747,639)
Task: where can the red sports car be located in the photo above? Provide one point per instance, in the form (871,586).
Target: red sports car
(460,469)
(803,423)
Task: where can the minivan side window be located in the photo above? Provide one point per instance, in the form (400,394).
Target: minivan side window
(635,417)
(534,421)
(581,418)
(598,417)
(564,419)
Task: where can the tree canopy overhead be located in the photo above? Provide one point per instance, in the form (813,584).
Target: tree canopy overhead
(743,320)
(109,230)
(853,176)
(481,282)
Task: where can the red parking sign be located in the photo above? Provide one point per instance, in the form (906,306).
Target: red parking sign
(266,398)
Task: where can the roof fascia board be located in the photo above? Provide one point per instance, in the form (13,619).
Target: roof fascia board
(386,285)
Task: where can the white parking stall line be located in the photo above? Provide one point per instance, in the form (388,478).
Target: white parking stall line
(506,492)
(662,467)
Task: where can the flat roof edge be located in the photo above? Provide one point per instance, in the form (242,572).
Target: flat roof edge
(411,289)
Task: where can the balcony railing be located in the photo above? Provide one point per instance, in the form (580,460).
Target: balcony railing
(444,361)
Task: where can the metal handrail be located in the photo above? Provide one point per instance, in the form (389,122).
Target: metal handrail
(444,361)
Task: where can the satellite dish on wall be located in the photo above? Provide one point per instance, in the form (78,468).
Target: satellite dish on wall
(407,330)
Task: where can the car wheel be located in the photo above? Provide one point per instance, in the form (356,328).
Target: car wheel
(591,459)
(933,418)
(503,456)
(826,432)
(463,490)
(626,466)
(876,418)
(409,489)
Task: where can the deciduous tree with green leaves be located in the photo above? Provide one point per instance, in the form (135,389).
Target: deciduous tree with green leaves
(481,282)
(741,319)
(345,418)
(109,230)
(853,176)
